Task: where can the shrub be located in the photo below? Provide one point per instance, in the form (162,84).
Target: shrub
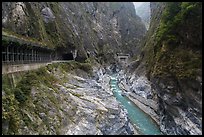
(20,95)
(10,114)
(85,67)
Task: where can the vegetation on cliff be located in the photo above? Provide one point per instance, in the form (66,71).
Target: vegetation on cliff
(172,53)
(177,51)
(16,100)
(75,26)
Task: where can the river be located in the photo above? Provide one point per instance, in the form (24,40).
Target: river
(144,123)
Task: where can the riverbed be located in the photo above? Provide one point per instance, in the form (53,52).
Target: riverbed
(143,122)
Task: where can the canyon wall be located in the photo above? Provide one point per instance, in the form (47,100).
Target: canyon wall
(93,29)
(171,59)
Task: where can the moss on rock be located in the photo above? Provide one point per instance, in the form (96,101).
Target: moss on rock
(173,53)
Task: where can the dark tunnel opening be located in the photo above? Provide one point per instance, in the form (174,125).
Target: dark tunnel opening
(68,56)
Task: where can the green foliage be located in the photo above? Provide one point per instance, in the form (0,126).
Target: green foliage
(5,42)
(50,29)
(10,113)
(171,11)
(170,55)
(20,95)
(179,62)
(6,83)
(189,6)
(170,19)
(76,94)
(69,66)
(7,98)
(55,7)
(44,78)
(23,88)
(184,5)
(85,67)
(26,119)
(174,16)
(91,60)
(17,98)
(191,9)
(20,38)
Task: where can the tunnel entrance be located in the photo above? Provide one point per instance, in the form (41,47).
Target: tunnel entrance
(67,56)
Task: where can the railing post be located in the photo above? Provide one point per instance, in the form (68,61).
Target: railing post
(17,55)
(4,54)
(7,54)
(12,54)
(29,55)
(26,54)
(37,56)
(20,57)
(32,55)
(20,54)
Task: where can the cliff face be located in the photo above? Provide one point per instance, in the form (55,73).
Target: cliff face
(165,80)
(173,56)
(68,98)
(143,11)
(93,29)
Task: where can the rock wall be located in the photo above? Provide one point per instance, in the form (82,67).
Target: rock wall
(94,29)
(171,59)
(167,72)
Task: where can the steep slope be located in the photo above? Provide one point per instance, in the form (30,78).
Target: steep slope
(68,98)
(92,29)
(173,55)
(62,99)
(164,78)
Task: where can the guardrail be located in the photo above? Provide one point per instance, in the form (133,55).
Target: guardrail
(13,67)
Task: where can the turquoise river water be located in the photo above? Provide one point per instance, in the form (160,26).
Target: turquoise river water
(144,123)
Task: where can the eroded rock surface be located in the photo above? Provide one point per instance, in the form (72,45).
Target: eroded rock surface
(75,106)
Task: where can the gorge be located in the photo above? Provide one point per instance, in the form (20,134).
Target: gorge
(60,60)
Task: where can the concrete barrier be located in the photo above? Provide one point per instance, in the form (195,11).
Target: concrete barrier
(6,69)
